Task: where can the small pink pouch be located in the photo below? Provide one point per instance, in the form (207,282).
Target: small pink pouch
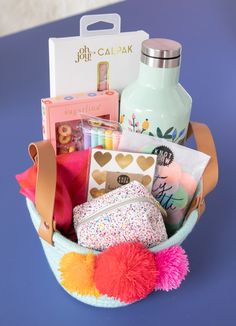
(128,213)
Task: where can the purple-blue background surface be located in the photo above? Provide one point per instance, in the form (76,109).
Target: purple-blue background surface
(29,294)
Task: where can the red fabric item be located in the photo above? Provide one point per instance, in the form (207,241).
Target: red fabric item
(71,188)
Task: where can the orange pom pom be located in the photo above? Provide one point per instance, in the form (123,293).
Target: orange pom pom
(77,272)
(126,271)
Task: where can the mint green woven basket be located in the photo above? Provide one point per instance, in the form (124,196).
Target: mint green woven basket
(62,246)
(56,246)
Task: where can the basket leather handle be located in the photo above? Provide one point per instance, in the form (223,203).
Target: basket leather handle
(42,153)
(204,143)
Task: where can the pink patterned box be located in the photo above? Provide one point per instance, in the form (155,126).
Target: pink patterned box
(61,116)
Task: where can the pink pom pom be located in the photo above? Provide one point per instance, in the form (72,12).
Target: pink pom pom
(173,266)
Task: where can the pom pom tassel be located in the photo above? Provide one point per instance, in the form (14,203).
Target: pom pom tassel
(126,272)
(173,266)
(77,271)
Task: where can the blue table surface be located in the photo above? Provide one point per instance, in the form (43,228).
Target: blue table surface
(29,294)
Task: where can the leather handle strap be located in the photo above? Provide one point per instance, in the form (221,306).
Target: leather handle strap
(42,153)
(204,143)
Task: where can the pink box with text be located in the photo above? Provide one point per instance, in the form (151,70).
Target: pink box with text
(60,116)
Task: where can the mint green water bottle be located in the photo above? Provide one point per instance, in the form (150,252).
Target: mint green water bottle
(156,103)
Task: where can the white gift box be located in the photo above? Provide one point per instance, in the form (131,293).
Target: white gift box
(95,60)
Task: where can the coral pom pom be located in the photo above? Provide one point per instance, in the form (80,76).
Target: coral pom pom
(173,266)
(77,273)
(126,272)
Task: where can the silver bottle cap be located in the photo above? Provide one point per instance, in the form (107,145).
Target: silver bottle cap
(161,53)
